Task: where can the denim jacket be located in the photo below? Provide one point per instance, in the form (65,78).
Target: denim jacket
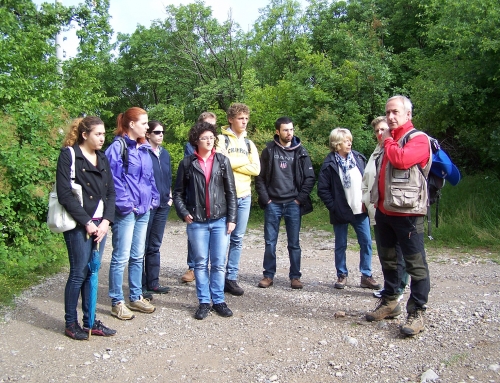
(135,191)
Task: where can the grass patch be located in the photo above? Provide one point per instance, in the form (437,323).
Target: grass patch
(455,358)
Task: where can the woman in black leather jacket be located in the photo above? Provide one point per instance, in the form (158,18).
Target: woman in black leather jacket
(210,217)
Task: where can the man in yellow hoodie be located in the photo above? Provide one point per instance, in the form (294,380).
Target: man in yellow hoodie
(245,162)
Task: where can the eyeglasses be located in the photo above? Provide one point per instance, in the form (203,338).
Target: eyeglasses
(211,138)
(157,132)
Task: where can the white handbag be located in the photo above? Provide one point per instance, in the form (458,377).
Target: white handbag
(58,219)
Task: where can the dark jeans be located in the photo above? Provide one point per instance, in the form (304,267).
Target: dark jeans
(79,252)
(290,211)
(403,276)
(154,237)
(409,233)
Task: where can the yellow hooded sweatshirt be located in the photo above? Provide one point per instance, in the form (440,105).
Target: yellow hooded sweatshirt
(244,164)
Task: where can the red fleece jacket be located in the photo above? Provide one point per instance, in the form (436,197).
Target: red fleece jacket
(416,151)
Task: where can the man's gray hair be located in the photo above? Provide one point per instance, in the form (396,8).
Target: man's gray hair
(405,100)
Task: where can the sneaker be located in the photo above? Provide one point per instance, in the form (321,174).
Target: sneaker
(222,310)
(158,290)
(378,294)
(100,330)
(265,282)
(341,282)
(142,305)
(369,283)
(202,312)
(122,312)
(232,287)
(74,331)
(414,323)
(188,276)
(296,284)
(384,309)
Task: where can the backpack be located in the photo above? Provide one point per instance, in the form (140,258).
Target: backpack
(247,141)
(442,168)
(124,152)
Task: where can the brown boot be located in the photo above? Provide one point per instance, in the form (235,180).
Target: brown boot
(265,282)
(188,276)
(369,283)
(384,309)
(414,323)
(341,282)
(296,284)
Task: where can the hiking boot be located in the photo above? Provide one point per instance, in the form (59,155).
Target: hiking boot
(188,276)
(384,309)
(142,305)
(122,312)
(100,330)
(202,312)
(369,283)
(222,310)
(74,331)
(341,282)
(265,282)
(296,284)
(232,288)
(414,323)
(158,290)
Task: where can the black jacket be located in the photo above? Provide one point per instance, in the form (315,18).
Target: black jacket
(304,177)
(162,170)
(331,191)
(97,183)
(190,190)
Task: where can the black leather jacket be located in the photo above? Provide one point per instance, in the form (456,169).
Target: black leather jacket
(190,190)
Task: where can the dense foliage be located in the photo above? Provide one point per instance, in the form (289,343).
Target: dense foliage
(331,64)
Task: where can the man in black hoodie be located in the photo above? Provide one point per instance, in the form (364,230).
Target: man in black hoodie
(284,186)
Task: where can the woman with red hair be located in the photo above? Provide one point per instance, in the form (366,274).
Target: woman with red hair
(136,195)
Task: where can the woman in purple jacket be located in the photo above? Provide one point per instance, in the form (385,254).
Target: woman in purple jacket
(136,195)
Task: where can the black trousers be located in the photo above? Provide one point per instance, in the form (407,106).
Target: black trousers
(409,233)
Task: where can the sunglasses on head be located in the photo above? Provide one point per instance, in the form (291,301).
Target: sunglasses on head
(157,132)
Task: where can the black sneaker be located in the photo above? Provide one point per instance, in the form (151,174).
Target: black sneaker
(74,331)
(222,310)
(159,290)
(232,287)
(203,310)
(147,295)
(100,330)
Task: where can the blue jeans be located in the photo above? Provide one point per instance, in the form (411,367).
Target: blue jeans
(154,237)
(79,253)
(236,238)
(362,228)
(209,244)
(290,211)
(190,255)
(129,239)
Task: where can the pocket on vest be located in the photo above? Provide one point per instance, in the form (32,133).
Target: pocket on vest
(406,197)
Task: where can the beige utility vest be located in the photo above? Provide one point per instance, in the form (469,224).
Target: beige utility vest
(406,189)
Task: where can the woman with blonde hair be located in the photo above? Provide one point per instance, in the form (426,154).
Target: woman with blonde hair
(92,172)
(339,187)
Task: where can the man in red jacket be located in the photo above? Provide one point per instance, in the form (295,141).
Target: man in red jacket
(400,196)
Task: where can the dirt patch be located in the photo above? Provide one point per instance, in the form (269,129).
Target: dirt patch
(276,334)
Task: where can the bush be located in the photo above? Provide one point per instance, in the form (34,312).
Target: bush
(30,138)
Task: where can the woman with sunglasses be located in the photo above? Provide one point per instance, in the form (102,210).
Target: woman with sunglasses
(157,217)
(205,198)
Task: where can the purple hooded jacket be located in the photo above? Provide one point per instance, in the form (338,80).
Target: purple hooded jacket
(135,191)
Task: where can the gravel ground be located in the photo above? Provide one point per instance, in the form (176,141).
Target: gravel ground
(276,334)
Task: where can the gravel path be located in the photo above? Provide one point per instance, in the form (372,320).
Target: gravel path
(276,334)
